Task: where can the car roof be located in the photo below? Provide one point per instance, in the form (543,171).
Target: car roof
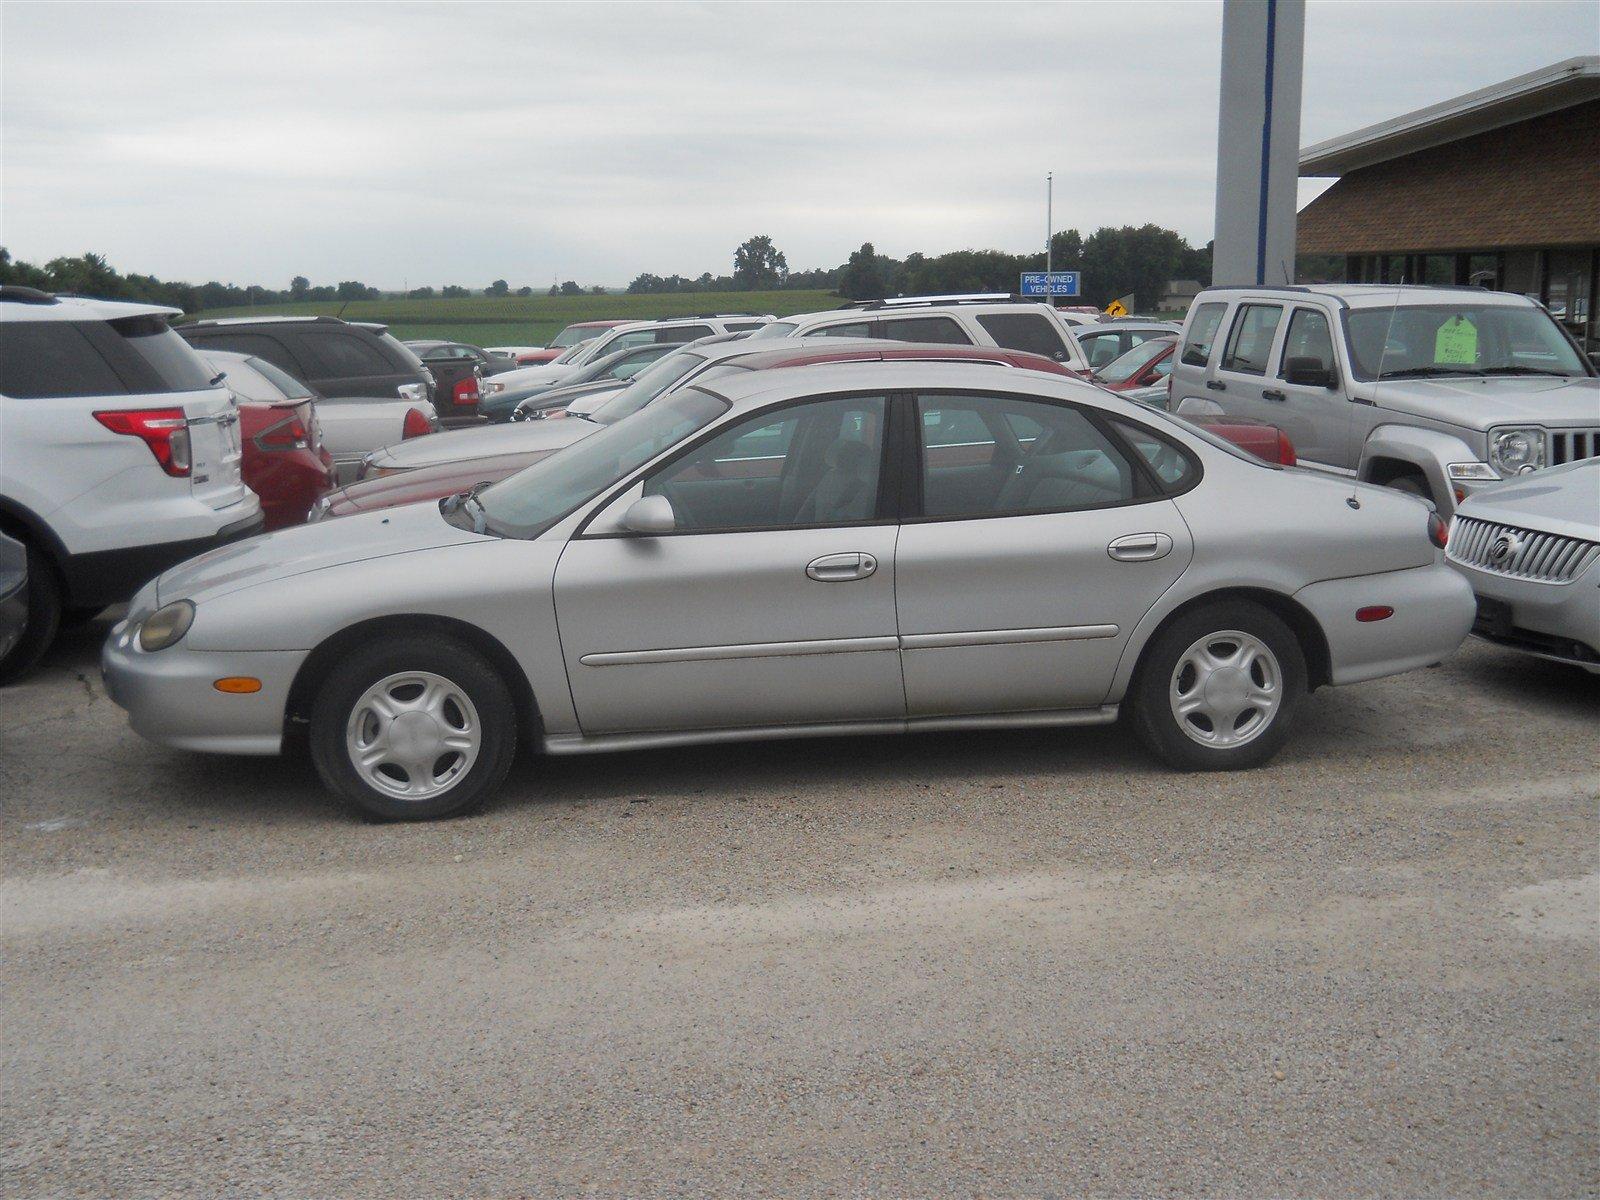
(749,390)
(597,324)
(1124,324)
(1378,295)
(879,350)
(15,306)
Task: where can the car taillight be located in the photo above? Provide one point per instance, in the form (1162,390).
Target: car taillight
(1438,531)
(466,392)
(1286,456)
(416,424)
(164,430)
(287,434)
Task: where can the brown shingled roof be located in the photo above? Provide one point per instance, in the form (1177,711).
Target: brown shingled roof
(1535,183)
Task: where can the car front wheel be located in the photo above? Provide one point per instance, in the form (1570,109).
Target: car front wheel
(1218,689)
(413,728)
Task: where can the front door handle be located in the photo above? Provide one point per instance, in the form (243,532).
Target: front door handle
(1216,385)
(838,568)
(1140,547)
(1272,394)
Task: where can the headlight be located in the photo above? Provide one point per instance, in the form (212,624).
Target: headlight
(166,626)
(1516,451)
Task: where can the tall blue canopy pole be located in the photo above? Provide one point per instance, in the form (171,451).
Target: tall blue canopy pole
(1258,141)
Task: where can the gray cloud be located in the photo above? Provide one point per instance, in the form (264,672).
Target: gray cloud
(464,142)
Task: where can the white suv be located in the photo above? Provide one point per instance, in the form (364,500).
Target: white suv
(119,455)
(981,320)
(620,337)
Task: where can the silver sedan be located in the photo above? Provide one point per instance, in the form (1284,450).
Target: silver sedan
(828,549)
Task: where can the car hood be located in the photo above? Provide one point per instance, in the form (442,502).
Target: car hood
(1479,403)
(406,487)
(306,548)
(530,377)
(483,442)
(1564,500)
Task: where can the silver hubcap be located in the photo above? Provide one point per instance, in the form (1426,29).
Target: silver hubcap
(1226,689)
(413,735)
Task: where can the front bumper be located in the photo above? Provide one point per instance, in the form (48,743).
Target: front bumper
(170,698)
(1433,613)
(1556,621)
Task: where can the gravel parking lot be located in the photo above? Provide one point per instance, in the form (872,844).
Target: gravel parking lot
(989,964)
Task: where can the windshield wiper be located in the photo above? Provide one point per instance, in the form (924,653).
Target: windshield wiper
(1419,372)
(1527,371)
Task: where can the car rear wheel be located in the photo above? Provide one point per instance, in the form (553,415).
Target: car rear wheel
(1218,689)
(44,620)
(413,728)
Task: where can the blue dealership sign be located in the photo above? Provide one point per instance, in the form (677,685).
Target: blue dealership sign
(1053,283)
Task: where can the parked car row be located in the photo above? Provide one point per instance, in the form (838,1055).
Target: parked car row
(841,522)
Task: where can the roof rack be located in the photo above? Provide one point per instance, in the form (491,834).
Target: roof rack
(15,293)
(273,318)
(711,316)
(926,301)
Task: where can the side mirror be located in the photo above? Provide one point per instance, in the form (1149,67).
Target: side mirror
(650,515)
(1309,372)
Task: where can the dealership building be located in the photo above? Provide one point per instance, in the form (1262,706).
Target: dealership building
(1499,188)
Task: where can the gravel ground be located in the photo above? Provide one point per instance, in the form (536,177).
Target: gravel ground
(997,964)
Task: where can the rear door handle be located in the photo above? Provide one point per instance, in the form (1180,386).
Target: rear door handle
(1216,385)
(838,568)
(1140,547)
(1272,394)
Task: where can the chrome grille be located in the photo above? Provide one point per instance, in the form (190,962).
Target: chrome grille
(1571,445)
(1520,553)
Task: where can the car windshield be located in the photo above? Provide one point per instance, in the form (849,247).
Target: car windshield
(1420,340)
(531,501)
(774,329)
(1120,370)
(648,384)
(572,335)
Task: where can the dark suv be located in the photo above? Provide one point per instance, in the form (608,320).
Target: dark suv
(336,359)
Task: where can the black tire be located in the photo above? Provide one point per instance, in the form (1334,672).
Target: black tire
(451,660)
(1413,485)
(1150,701)
(44,619)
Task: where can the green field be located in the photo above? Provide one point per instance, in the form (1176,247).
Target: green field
(534,320)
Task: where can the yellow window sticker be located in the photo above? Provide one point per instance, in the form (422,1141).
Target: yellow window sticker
(1457,341)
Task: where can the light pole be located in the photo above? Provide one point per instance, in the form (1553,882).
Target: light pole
(1049,197)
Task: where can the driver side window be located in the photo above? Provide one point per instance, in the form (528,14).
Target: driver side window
(815,463)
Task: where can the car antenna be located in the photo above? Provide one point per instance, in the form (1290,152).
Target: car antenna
(1377,383)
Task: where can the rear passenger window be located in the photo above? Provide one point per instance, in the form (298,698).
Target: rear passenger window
(39,359)
(684,333)
(344,356)
(940,331)
(1024,331)
(1033,457)
(855,329)
(254,344)
(1250,342)
(1202,334)
(1176,470)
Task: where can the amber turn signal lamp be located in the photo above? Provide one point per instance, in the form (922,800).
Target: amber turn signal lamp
(238,685)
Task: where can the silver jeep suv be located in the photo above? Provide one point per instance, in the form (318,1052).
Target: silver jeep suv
(1437,391)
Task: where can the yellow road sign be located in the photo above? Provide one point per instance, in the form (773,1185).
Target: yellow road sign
(1116,309)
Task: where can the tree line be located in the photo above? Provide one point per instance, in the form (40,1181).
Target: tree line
(1113,262)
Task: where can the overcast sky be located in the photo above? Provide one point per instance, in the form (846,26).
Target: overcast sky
(459,143)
